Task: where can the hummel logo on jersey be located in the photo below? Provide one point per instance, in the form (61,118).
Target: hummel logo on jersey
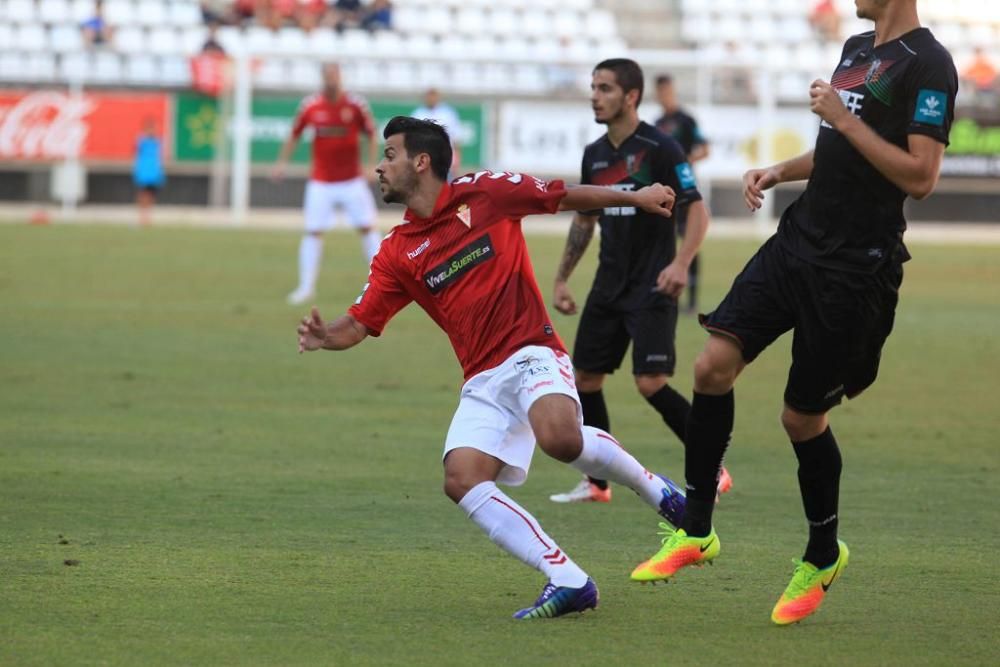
(413,254)
(930,107)
(603,164)
(465,215)
(463,261)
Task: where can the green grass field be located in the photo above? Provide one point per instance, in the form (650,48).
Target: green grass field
(228,502)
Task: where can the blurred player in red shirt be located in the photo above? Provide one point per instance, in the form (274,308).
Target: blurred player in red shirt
(462,257)
(337,119)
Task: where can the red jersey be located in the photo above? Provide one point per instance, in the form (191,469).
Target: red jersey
(467,265)
(336,145)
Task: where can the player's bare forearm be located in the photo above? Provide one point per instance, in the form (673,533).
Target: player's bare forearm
(796,169)
(287,148)
(914,171)
(344,332)
(694,235)
(654,198)
(580,232)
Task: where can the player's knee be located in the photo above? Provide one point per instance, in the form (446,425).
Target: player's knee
(650,384)
(457,483)
(800,426)
(588,382)
(712,376)
(561,441)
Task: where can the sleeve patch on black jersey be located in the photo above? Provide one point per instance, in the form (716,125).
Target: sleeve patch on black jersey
(931,107)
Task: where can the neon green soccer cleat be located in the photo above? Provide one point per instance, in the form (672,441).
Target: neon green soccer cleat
(678,551)
(807,589)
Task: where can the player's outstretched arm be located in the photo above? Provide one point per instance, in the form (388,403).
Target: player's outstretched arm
(653,198)
(756,181)
(342,333)
(915,171)
(580,232)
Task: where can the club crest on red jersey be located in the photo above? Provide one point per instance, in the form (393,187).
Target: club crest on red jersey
(465,215)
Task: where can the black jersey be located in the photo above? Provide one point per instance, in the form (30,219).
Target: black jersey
(636,245)
(683,127)
(850,216)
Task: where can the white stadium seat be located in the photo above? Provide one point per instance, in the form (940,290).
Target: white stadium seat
(420,45)
(258,40)
(192,39)
(290,42)
(305,75)
(321,43)
(20,11)
(30,37)
(231,39)
(75,66)
(183,14)
(54,11)
(503,22)
(81,10)
(151,12)
(175,71)
(65,37)
(163,40)
(271,74)
(130,39)
(141,69)
(107,68)
(119,12)
(12,67)
(471,21)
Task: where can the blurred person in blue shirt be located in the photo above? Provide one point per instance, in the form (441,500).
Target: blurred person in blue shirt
(147,171)
(96,31)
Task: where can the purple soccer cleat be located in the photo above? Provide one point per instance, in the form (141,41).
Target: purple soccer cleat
(558,600)
(673,503)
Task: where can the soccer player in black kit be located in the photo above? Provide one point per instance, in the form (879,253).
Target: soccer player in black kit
(831,274)
(679,124)
(641,273)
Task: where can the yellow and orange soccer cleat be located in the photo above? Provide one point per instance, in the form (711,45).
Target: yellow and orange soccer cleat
(678,550)
(807,589)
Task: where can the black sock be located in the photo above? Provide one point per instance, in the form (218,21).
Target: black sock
(819,483)
(674,409)
(693,283)
(595,413)
(709,428)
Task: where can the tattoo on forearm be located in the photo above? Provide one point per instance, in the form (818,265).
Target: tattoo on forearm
(576,244)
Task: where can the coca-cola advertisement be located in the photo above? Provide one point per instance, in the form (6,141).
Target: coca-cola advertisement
(45,125)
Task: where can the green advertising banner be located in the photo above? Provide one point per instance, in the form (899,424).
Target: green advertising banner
(196,121)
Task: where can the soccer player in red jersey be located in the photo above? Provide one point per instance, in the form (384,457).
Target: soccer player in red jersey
(338,119)
(462,257)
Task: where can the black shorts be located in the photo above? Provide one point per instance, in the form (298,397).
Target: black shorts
(841,320)
(150,188)
(606,330)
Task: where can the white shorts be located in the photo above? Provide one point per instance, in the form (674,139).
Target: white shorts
(353,198)
(492,413)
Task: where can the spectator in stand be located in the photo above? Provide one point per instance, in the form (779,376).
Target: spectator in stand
(444,115)
(378,16)
(980,73)
(212,45)
(147,170)
(216,12)
(825,20)
(347,14)
(306,14)
(96,31)
(244,11)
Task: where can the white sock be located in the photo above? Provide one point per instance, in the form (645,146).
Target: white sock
(603,458)
(370,242)
(515,531)
(310,254)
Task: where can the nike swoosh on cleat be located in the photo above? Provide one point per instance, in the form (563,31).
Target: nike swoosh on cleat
(705,548)
(826,586)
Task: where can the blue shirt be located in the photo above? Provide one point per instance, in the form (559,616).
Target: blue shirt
(148,168)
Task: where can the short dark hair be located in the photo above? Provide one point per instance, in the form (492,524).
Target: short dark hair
(423,136)
(664,79)
(628,74)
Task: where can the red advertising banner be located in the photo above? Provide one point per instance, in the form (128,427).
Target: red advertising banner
(53,124)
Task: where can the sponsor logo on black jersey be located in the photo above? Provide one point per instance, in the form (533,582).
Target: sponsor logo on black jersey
(463,261)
